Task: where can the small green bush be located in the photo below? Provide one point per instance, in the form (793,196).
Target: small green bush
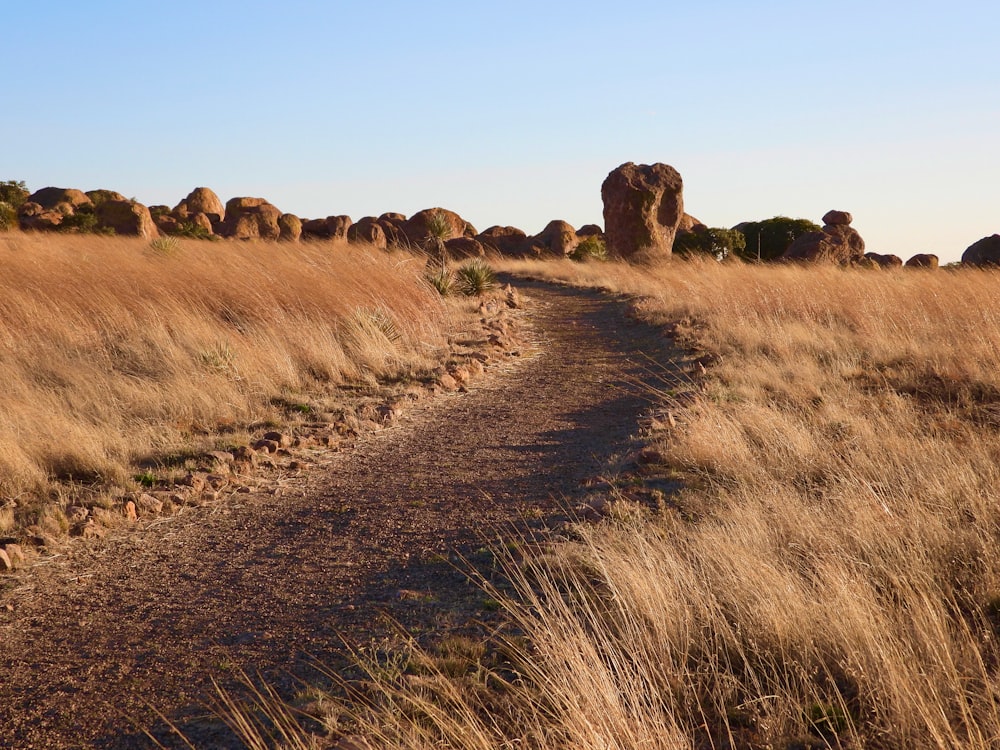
(192,230)
(476,278)
(8,216)
(590,248)
(79,221)
(164,245)
(14,194)
(442,280)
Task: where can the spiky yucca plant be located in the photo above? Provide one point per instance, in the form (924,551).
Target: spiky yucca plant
(476,278)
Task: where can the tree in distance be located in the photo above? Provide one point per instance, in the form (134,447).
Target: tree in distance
(769,239)
(715,241)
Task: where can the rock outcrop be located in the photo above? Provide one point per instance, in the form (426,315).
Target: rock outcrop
(464,247)
(367,230)
(643,207)
(52,197)
(837,242)
(984,252)
(289,228)
(127,218)
(559,238)
(923,260)
(509,241)
(201,200)
(884,260)
(419,227)
(332,228)
(250,219)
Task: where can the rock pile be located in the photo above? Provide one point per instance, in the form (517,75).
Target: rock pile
(837,242)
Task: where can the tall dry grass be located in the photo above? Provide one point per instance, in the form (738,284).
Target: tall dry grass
(829,576)
(111,351)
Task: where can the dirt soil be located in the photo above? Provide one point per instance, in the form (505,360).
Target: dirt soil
(92,642)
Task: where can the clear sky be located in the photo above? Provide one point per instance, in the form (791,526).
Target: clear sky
(514,112)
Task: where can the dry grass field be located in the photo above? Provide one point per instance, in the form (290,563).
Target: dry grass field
(114,352)
(829,576)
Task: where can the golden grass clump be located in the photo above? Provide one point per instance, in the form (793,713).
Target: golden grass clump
(830,574)
(113,350)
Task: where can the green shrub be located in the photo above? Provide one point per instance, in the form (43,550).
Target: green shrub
(476,278)
(79,221)
(8,216)
(590,248)
(770,239)
(717,242)
(192,230)
(442,280)
(164,245)
(13,193)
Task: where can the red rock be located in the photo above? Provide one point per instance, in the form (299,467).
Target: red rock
(923,260)
(643,207)
(127,218)
(984,252)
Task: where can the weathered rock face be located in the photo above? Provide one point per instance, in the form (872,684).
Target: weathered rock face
(464,247)
(126,217)
(504,240)
(97,197)
(923,260)
(289,228)
(391,216)
(690,224)
(643,207)
(201,200)
(837,218)
(558,238)
(836,242)
(250,219)
(34,216)
(884,261)
(589,230)
(51,197)
(367,230)
(418,227)
(332,227)
(984,252)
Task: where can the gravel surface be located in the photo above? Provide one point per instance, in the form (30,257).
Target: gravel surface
(143,621)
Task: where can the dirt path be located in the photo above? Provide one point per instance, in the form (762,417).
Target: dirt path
(148,617)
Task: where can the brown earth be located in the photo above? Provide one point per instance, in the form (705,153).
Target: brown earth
(92,641)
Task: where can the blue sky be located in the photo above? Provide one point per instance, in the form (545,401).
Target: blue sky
(514,112)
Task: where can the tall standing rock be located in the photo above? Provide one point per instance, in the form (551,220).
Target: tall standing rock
(836,242)
(643,207)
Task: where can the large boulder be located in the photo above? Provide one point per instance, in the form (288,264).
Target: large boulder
(51,197)
(97,197)
(984,252)
(589,230)
(126,217)
(250,219)
(837,242)
(643,207)
(332,227)
(201,200)
(509,241)
(31,215)
(367,230)
(464,247)
(289,228)
(884,260)
(923,260)
(422,225)
(559,238)
(690,224)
